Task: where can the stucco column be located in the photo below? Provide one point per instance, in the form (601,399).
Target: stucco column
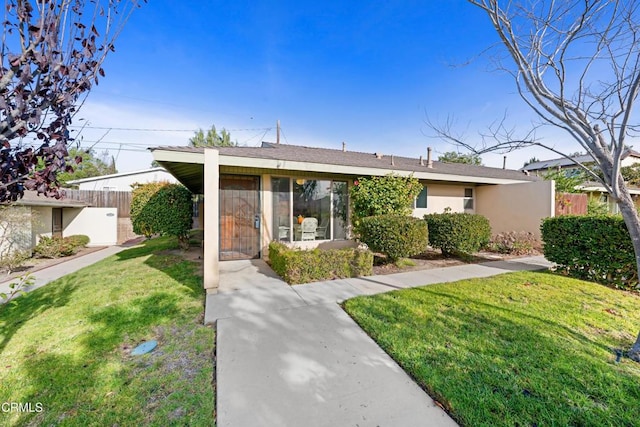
(211,272)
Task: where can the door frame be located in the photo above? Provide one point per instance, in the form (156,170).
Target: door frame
(257,242)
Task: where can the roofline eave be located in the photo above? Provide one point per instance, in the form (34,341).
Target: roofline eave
(290,165)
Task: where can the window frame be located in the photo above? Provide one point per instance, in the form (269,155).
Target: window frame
(468,200)
(426,198)
(330,226)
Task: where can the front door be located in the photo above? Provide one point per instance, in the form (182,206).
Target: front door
(239,217)
(56,222)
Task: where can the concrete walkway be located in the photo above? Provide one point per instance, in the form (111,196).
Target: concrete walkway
(290,356)
(49,274)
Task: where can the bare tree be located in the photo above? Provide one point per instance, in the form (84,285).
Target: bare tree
(52,54)
(576,64)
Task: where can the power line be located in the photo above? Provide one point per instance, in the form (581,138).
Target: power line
(163,130)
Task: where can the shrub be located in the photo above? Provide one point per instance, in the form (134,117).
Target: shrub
(55,247)
(383,195)
(11,261)
(52,247)
(304,266)
(596,248)
(78,240)
(162,208)
(394,236)
(454,233)
(513,243)
(595,206)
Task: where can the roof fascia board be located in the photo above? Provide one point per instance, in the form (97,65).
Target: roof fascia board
(177,156)
(354,170)
(240,161)
(115,175)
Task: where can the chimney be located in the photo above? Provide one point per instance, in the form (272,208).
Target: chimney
(344,147)
(392,164)
(421,161)
(429,161)
(504,162)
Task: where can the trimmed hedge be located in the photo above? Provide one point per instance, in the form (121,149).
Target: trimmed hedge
(162,208)
(55,247)
(394,236)
(595,248)
(454,233)
(304,266)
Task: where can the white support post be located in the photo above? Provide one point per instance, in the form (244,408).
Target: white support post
(211,272)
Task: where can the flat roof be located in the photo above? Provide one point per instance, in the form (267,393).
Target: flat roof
(31,198)
(116,175)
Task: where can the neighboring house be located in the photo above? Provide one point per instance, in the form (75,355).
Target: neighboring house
(592,189)
(122,181)
(597,190)
(255,195)
(33,217)
(114,190)
(629,157)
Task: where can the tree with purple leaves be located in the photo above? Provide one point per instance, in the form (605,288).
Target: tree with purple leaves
(52,55)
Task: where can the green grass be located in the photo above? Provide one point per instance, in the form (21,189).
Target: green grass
(405,262)
(519,349)
(66,345)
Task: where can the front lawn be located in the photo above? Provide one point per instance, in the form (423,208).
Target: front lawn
(521,349)
(67,345)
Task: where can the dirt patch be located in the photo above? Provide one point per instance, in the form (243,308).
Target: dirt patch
(434,259)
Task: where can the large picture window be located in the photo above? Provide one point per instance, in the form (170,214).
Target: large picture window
(309,209)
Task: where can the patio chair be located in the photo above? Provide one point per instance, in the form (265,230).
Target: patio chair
(307,230)
(321,231)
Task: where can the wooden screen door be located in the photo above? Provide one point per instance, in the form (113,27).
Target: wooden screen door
(239,217)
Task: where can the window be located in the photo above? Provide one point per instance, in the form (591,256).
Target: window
(281,208)
(309,209)
(421,200)
(468,198)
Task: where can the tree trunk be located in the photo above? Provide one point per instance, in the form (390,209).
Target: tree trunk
(632,220)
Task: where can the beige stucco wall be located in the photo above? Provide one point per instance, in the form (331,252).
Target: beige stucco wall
(15,229)
(443,196)
(516,207)
(100,224)
(42,224)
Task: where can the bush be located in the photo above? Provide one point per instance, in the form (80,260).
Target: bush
(162,208)
(454,233)
(595,206)
(513,243)
(11,261)
(78,240)
(394,236)
(304,266)
(383,195)
(595,248)
(55,247)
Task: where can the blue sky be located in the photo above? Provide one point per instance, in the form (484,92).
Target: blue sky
(367,73)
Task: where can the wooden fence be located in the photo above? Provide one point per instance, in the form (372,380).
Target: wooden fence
(571,204)
(103,199)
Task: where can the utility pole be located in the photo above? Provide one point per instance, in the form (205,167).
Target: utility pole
(278,132)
